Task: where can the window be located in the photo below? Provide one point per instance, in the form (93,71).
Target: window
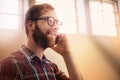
(11,14)
(104,17)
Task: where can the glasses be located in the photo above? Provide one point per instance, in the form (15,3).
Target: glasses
(50,20)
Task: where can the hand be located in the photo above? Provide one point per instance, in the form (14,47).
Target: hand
(62,46)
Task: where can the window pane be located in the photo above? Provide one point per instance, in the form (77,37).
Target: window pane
(9,21)
(9,6)
(103,18)
(10,14)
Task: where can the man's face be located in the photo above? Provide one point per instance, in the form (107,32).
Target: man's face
(44,35)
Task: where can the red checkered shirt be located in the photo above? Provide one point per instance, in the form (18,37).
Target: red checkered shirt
(24,65)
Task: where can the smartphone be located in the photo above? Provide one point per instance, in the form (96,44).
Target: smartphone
(57,39)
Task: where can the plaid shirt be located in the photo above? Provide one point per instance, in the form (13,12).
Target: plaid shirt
(24,65)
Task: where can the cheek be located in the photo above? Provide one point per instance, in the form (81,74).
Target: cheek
(44,28)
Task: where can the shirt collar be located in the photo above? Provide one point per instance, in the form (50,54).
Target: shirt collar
(30,55)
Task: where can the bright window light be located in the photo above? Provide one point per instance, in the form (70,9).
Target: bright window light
(8,21)
(103,18)
(9,14)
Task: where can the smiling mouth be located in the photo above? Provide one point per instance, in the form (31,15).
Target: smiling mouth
(54,33)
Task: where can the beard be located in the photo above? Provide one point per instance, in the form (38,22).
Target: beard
(40,38)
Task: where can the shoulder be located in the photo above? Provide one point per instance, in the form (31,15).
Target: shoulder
(8,61)
(8,66)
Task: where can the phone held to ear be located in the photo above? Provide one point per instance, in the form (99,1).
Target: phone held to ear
(57,39)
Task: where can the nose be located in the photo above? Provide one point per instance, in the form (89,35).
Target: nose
(55,26)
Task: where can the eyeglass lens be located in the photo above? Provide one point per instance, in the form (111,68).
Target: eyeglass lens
(51,21)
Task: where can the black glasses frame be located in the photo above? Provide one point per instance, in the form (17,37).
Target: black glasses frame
(50,20)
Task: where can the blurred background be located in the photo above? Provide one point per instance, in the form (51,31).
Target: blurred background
(92,27)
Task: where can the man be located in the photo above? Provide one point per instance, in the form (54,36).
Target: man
(29,62)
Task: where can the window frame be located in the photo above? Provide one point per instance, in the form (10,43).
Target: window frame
(88,17)
(21,12)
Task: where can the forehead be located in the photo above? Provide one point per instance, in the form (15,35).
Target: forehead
(51,13)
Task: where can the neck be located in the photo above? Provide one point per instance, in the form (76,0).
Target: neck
(37,50)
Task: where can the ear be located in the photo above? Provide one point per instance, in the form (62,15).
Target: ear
(31,25)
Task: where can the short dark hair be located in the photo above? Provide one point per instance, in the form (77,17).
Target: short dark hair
(36,11)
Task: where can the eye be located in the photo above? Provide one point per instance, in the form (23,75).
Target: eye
(51,21)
